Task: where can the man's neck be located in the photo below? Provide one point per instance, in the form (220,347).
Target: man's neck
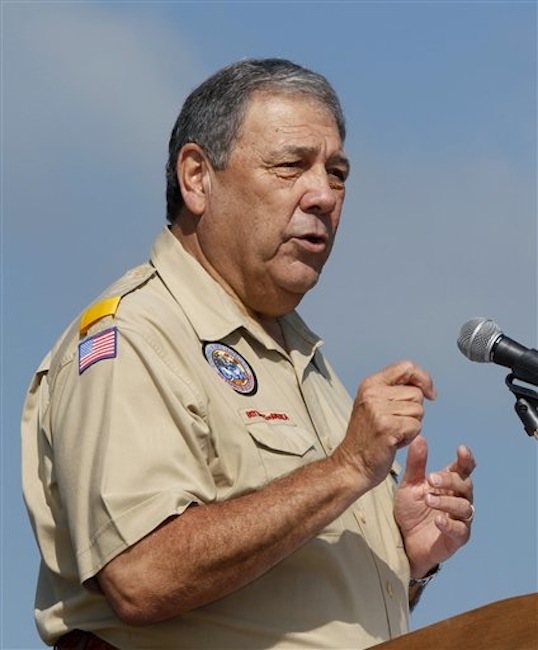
(185,232)
(273,327)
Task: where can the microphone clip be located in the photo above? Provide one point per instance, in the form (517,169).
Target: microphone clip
(526,405)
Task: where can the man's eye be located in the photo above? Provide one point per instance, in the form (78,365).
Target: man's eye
(291,164)
(337,179)
(289,168)
(340,174)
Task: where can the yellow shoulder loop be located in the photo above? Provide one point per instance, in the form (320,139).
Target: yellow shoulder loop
(106,307)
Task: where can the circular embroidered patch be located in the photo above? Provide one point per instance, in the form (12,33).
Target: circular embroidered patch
(231,367)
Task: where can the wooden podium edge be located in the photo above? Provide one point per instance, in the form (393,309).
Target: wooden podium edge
(509,624)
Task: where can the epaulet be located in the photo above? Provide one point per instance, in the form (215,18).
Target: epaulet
(106,307)
(108,303)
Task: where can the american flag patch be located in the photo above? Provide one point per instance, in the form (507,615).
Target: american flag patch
(98,347)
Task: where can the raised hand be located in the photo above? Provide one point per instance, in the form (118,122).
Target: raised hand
(434,511)
(387,415)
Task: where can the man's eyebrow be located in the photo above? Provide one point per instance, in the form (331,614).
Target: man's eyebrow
(295,150)
(340,159)
(306,151)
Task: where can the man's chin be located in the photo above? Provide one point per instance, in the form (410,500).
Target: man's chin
(284,298)
(298,287)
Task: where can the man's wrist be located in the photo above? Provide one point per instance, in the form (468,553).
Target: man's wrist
(417,586)
(422,582)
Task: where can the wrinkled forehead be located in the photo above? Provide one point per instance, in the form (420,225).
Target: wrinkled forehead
(273,116)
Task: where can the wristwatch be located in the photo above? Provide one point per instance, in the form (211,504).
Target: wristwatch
(422,582)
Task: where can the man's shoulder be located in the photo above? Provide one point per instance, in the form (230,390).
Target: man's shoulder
(108,302)
(98,315)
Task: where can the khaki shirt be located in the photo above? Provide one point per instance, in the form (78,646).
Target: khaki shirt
(190,402)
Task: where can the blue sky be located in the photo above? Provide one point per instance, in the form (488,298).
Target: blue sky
(439,224)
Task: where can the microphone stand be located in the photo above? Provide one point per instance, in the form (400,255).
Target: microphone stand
(526,405)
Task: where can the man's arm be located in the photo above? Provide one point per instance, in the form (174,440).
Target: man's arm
(212,550)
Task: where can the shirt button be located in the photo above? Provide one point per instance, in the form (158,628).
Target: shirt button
(362,516)
(390,590)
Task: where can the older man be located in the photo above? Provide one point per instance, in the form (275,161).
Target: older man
(196,475)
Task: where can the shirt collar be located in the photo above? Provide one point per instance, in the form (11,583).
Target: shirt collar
(211,310)
(302,342)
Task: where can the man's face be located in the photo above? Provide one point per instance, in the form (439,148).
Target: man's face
(272,213)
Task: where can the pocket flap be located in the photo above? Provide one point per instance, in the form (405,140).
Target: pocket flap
(285,439)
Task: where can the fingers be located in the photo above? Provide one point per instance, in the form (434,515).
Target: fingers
(450,482)
(398,389)
(417,458)
(395,397)
(455,529)
(457,508)
(392,412)
(469,519)
(456,478)
(465,463)
(387,415)
(452,495)
(453,519)
(406,373)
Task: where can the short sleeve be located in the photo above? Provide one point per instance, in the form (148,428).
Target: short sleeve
(131,447)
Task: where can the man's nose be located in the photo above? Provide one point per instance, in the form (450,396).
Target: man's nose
(319,196)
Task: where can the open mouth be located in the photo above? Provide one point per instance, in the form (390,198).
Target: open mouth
(315,239)
(314,242)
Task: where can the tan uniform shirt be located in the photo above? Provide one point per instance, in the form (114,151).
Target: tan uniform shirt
(177,398)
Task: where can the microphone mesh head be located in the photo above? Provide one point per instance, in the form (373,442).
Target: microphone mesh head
(477,337)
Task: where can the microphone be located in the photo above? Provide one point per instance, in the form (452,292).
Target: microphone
(482,340)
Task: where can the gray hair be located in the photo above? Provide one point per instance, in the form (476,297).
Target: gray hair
(213,113)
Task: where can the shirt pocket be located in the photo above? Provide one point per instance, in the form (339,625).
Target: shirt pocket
(282,447)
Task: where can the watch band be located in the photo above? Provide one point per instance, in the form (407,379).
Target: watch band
(422,582)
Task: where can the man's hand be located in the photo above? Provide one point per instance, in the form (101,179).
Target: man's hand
(387,415)
(434,513)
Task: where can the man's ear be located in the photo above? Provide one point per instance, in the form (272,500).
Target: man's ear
(194,176)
